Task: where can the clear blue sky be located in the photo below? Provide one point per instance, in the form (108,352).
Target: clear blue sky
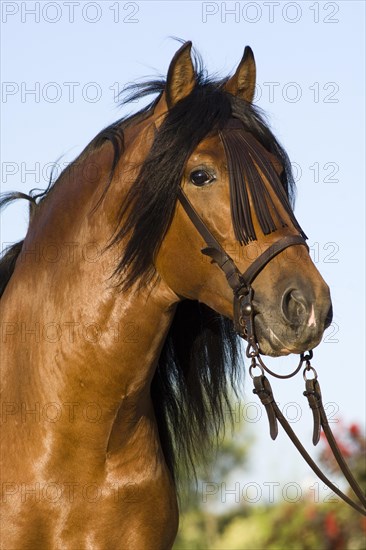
(310,60)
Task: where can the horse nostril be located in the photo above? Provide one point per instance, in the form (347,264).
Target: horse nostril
(294,306)
(329,317)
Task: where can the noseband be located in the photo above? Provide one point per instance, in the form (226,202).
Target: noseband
(241,285)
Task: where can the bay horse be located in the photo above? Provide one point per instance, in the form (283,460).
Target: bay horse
(118,342)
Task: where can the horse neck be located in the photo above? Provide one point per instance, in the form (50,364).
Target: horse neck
(71,335)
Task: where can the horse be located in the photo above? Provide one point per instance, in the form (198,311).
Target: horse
(120,339)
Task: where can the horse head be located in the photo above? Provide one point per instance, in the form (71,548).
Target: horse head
(211,143)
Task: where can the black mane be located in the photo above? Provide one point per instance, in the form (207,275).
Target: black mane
(200,359)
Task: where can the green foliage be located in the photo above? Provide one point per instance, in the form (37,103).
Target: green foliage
(309,526)
(285,526)
(302,525)
(199,526)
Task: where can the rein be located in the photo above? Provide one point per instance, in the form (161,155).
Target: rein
(241,285)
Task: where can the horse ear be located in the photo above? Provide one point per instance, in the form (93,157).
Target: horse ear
(181,76)
(242,84)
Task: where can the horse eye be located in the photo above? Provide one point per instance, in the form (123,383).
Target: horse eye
(201,177)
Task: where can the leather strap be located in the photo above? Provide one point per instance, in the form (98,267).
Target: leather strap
(259,263)
(314,396)
(223,260)
(276,412)
(199,223)
(214,249)
(286,426)
(264,391)
(340,460)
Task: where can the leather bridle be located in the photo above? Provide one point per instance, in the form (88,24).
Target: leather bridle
(241,285)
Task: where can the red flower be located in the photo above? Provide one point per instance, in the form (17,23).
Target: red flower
(354,430)
(363,524)
(331,526)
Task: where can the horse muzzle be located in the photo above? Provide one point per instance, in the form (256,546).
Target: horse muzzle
(296,325)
